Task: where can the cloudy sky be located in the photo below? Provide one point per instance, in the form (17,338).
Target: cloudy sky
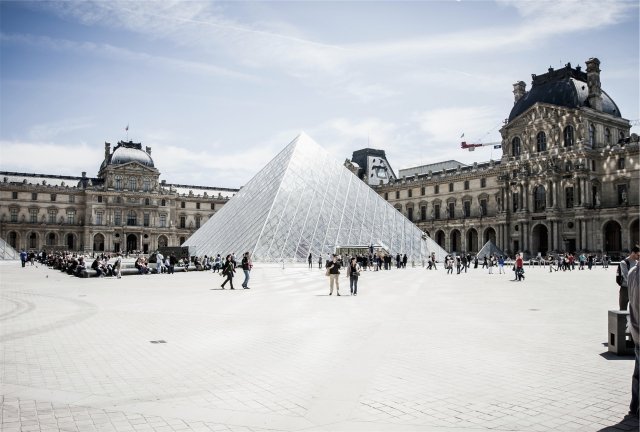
(218,88)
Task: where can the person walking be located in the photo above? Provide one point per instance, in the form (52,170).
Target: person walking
(228,270)
(247,265)
(333,269)
(23,258)
(310,259)
(320,262)
(353,271)
(519,267)
(501,265)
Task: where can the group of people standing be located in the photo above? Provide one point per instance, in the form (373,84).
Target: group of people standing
(333,266)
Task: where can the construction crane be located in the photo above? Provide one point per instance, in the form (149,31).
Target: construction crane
(471,147)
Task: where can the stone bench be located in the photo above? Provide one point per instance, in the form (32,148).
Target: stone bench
(131,270)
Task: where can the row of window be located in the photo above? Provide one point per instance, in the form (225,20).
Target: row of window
(34,196)
(568,135)
(131,218)
(466,210)
(436,189)
(33,215)
(101,199)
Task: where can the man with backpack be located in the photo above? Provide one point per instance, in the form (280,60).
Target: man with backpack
(622,276)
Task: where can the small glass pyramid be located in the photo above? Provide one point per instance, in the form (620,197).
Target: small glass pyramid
(303,202)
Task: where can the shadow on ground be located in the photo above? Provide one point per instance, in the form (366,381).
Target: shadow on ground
(626,424)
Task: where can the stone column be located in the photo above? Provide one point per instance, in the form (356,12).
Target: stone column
(527,235)
(583,233)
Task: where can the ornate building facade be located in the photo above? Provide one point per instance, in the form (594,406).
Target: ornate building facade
(568,179)
(125,208)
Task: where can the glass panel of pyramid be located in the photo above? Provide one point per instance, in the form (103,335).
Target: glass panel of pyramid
(303,202)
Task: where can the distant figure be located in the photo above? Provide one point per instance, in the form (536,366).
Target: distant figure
(404,261)
(117,265)
(519,268)
(246,268)
(228,269)
(333,268)
(501,265)
(159,262)
(353,271)
(310,259)
(320,262)
(23,258)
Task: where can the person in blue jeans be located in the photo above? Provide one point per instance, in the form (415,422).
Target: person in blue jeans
(246,268)
(353,271)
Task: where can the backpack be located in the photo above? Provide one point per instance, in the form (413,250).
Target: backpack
(619,276)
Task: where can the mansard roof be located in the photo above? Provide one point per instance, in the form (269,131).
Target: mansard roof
(566,87)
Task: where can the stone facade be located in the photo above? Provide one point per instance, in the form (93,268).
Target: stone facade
(125,208)
(568,179)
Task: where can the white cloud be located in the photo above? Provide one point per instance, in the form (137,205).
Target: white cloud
(284,47)
(48,158)
(119,53)
(48,131)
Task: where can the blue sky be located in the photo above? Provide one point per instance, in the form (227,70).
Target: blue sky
(218,88)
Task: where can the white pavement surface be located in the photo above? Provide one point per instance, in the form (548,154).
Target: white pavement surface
(416,350)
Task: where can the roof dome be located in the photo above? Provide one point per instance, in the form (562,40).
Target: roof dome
(565,87)
(126,152)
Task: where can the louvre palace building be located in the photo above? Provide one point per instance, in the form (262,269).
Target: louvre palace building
(568,179)
(125,208)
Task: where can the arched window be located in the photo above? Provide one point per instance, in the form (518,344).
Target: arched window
(607,136)
(118,183)
(592,135)
(541,142)
(539,197)
(132,184)
(146,185)
(568,136)
(515,147)
(146,201)
(163,203)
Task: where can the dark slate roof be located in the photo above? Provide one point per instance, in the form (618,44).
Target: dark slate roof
(565,87)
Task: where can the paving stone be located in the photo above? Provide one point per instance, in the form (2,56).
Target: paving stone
(414,348)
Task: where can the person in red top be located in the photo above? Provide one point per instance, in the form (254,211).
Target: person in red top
(519,268)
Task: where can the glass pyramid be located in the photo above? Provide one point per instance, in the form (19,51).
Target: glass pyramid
(302,202)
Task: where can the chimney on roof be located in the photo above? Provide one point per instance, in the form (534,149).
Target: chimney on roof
(107,150)
(519,89)
(148,150)
(84,174)
(593,82)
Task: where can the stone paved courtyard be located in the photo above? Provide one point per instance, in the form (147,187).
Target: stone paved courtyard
(416,350)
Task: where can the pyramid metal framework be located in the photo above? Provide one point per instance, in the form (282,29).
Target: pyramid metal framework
(490,249)
(302,202)
(7,252)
